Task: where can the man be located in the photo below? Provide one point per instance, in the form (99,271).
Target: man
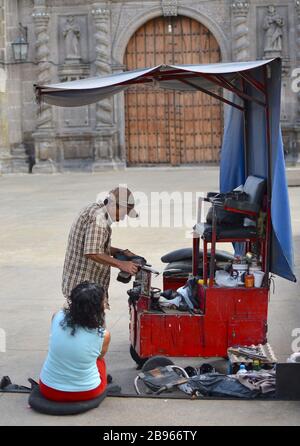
(89,255)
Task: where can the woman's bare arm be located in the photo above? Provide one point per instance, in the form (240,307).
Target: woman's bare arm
(105,344)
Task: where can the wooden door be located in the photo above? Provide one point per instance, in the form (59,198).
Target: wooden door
(171,127)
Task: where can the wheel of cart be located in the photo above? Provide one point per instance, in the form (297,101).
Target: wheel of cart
(156,361)
(146,364)
(137,359)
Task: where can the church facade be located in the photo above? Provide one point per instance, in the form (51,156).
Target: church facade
(74,39)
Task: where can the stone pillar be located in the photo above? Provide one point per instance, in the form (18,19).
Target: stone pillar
(105,141)
(297,132)
(44,135)
(5,157)
(13,157)
(240,42)
(297,5)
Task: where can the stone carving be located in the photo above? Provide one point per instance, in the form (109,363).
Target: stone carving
(41,19)
(297,5)
(44,133)
(273,27)
(105,138)
(101,22)
(169,8)
(240,30)
(71,34)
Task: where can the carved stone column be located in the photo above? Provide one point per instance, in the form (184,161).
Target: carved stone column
(297,143)
(44,135)
(240,30)
(5,156)
(297,6)
(12,152)
(106,134)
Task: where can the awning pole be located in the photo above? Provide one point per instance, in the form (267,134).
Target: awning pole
(255,83)
(269,178)
(220,98)
(241,94)
(245,132)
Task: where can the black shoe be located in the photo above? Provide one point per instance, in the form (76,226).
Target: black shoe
(113,389)
(191,371)
(206,368)
(109,378)
(5,381)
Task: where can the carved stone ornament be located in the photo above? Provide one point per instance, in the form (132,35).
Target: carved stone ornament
(240,43)
(101,12)
(297,6)
(102,63)
(41,20)
(169,8)
(240,8)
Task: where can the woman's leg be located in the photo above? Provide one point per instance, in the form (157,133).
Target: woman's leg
(57,395)
(103,375)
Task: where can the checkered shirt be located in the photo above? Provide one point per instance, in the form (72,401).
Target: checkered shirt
(89,234)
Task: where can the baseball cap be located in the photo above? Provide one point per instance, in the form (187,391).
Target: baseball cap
(123,196)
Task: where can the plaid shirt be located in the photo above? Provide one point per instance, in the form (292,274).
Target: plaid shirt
(89,234)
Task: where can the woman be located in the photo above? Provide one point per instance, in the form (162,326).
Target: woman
(75,369)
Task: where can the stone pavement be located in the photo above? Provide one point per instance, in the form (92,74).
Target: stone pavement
(36,214)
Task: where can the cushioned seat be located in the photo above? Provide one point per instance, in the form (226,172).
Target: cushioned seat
(255,188)
(187,253)
(41,404)
(233,217)
(225,232)
(181,268)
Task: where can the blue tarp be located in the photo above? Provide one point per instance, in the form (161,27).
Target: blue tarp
(233,167)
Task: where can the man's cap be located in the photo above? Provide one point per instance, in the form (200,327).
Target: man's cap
(123,196)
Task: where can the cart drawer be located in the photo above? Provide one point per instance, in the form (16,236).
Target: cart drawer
(170,335)
(247,332)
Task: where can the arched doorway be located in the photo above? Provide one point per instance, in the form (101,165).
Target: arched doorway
(171,127)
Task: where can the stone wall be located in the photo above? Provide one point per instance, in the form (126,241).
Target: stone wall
(73,39)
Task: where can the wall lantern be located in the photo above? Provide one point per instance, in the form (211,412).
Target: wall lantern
(20,45)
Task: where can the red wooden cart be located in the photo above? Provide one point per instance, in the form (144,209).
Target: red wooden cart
(252,146)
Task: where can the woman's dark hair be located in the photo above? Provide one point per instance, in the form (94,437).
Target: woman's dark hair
(85,307)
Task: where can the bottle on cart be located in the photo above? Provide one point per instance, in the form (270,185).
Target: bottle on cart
(242,370)
(256,365)
(249,280)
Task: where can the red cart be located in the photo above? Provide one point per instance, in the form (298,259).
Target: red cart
(252,147)
(224,317)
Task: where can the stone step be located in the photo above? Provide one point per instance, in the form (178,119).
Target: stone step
(293,176)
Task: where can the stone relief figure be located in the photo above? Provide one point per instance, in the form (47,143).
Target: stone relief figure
(273,26)
(71,33)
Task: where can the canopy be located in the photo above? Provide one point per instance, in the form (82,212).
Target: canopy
(252,143)
(174,77)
